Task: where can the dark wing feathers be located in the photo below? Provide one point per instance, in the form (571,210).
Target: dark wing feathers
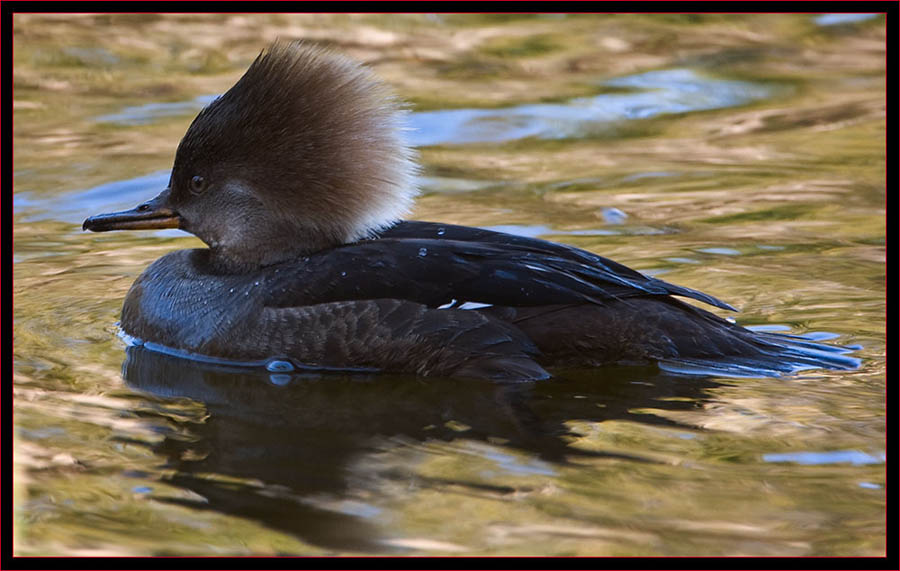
(434,264)
(601,273)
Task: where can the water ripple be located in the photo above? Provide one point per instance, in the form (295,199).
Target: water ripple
(656,93)
(835,19)
(854,457)
(150,112)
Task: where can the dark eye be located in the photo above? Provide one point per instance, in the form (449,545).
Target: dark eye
(198,184)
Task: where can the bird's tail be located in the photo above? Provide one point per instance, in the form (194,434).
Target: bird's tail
(777,354)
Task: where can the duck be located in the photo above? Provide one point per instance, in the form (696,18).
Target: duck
(298,178)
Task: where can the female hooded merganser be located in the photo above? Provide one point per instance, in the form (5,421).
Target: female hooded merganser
(296,179)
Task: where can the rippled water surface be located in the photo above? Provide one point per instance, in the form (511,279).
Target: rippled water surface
(739,155)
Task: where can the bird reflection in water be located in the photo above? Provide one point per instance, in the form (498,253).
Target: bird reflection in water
(296,452)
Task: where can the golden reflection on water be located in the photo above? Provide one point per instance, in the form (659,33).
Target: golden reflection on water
(776,206)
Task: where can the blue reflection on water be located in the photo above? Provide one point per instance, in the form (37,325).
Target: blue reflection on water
(659,92)
(534,231)
(834,19)
(854,457)
(150,112)
(109,197)
(515,465)
(720,251)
